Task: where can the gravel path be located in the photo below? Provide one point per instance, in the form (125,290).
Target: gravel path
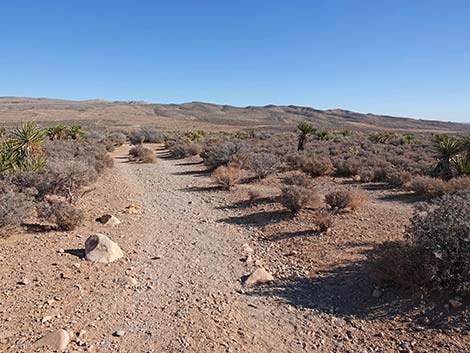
(193,300)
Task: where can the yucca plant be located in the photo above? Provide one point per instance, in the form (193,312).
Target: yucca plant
(446,148)
(56,132)
(465,146)
(304,130)
(76,132)
(22,149)
(461,164)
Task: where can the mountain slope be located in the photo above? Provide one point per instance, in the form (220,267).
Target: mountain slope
(203,115)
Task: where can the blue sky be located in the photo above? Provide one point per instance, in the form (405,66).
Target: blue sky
(406,58)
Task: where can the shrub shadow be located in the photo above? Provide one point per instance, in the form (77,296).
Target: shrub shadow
(202,188)
(259,218)
(288,235)
(250,203)
(346,292)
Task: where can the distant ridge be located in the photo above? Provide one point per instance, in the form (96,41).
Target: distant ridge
(206,115)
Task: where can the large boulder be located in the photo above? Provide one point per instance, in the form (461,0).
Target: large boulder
(99,248)
(56,341)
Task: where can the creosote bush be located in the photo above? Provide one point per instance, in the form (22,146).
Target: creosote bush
(435,253)
(345,199)
(62,214)
(227,176)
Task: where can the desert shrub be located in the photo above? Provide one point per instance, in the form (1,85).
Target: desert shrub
(262,164)
(430,187)
(296,198)
(142,154)
(65,178)
(183,150)
(116,138)
(299,179)
(346,199)
(435,253)
(63,215)
(15,207)
(318,166)
(146,135)
(227,176)
(221,153)
(324,220)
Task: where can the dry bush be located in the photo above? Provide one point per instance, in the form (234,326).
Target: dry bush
(299,179)
(430,187)
(63,215)
(346,199)
(183,150)
(146,135)
(15,207)
(318,166)
(116,138)
(435,253)
(262,164)
(227,176)
(296,198)
(142,154)
(324,220)
(221,153)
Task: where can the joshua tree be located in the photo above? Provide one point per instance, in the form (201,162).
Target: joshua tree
(446,148)
(304,129)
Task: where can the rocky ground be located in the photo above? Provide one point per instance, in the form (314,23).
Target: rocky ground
(179,286)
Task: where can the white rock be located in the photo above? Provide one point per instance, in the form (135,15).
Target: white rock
(56,341)
(99,248)
(119,333)
(109,220)
(258,276)
(247,249)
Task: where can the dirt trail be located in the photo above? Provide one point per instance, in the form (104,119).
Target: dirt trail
(196,302)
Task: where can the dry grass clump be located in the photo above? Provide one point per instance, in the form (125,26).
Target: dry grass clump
(299,179)
(227,176)
(346,199)
(142,154)
(63,215)
(434,255)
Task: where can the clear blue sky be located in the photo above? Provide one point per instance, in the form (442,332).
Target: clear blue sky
(401,57)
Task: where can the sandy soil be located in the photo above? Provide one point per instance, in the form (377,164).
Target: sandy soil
(184,250)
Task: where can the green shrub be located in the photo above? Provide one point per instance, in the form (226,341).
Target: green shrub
(435,253)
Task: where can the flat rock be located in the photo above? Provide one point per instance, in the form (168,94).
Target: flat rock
(258,276)
(109,220)
(99,248)
(56,341)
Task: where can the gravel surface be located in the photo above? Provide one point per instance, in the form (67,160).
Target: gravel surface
(179,286)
